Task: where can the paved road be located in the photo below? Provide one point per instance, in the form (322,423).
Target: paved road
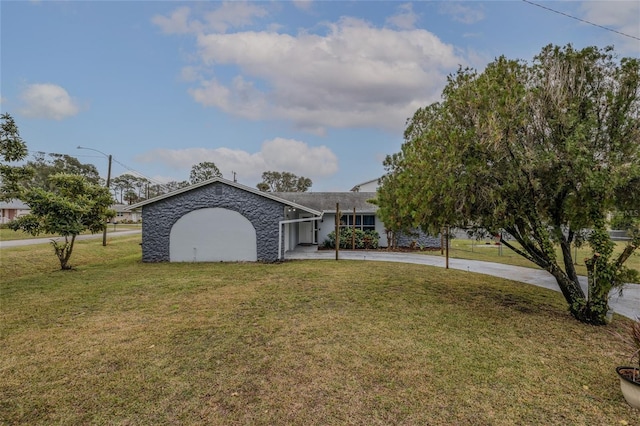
(20,243)
(628,304)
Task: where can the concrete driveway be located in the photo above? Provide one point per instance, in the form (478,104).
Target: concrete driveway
(627,304)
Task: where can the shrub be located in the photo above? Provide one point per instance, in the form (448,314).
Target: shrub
(364,239)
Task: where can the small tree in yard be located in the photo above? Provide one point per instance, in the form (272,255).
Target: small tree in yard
(543,151)
(70,208)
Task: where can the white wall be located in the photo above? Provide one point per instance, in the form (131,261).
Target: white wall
(328,225)
(213,235)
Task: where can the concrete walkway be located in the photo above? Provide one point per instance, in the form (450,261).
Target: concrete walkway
(627,305)
(20,243)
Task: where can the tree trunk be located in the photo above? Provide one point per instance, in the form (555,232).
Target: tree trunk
(591,311)
(63,251)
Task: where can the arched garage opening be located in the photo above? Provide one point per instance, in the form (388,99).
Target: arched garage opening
(213,235)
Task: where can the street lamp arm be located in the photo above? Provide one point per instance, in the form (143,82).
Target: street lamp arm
(93,149)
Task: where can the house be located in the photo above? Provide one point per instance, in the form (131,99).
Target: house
(12,209)
(124,215)
(220,220)
(368,186)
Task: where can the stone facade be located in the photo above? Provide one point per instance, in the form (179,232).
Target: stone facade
(421,239)
(158,218)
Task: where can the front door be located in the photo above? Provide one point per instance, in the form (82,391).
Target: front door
(307,232)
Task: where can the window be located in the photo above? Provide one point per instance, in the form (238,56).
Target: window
(366,222)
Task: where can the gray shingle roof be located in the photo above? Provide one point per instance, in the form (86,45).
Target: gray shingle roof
(326,201)
(14,204)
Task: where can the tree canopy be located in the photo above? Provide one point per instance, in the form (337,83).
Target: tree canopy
(204,171)
(543,150)
(72,205)
(12,149)
(45,165)
(283,182)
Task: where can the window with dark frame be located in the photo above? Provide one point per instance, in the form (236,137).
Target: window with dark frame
(365,222)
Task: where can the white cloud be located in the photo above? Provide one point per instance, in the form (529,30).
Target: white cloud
(354,75)
(623,16)
(228,15)
(462,13)
(405,19)
(277,154)
(178,22)
(303,4)
(47,101)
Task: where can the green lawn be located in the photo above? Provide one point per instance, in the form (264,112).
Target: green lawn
(307,342)
(480,250)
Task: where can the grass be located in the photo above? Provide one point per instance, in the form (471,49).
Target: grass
(315,342)
(9,235)
(479,250)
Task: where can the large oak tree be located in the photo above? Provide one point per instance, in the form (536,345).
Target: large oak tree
(542,150)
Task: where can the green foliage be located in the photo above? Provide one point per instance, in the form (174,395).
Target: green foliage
(46,165)
(204,171)
(625,220)
(541,150)
(71,207)
(130,188)
(283,182)
(12,149)
(364,240)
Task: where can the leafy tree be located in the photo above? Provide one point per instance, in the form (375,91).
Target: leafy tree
(204,171)
(283,182)
(45,165)
(130,188)
(174,185)
(12,149)
(157,189)
(541,150)
(72,206)
(122,184)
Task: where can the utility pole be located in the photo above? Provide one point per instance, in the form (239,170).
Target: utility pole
(337,230)
(110,158)
(353,233)
(446,239)
(104,232)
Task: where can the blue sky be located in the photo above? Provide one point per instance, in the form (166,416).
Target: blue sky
(318,88)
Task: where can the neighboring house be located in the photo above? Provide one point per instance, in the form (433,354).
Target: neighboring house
(12,209)
(220,220)
(368,186)
(123,214)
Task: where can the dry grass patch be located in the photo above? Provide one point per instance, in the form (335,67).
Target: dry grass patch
(318,342)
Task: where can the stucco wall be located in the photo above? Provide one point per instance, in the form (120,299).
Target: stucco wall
(159,217)
(328,225)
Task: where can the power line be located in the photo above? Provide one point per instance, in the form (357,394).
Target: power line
(151,180)
(582,20)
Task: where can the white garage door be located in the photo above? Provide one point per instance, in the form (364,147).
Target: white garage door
(213,235)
